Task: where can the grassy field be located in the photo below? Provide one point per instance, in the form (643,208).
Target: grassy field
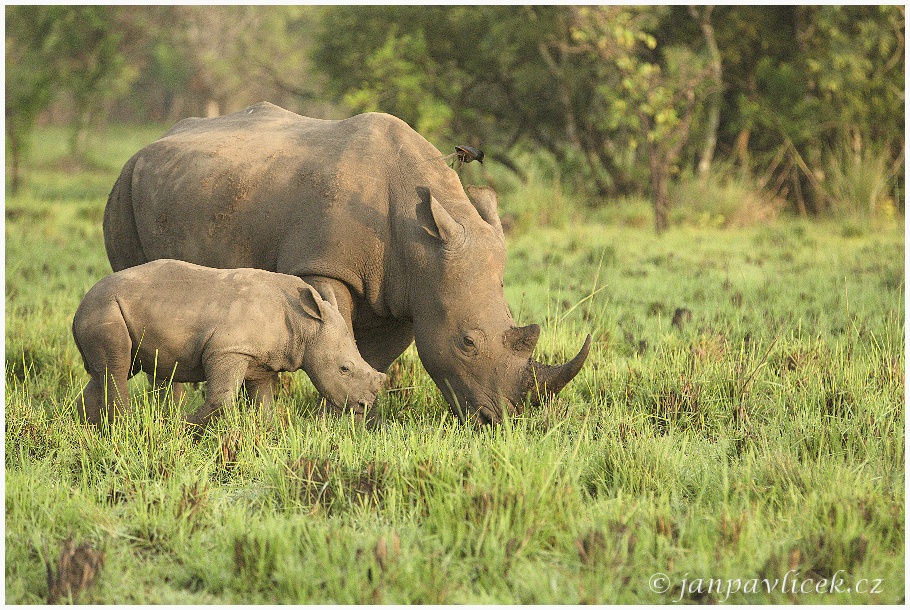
(737,433)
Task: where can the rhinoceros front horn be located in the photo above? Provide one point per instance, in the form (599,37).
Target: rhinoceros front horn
(548,380)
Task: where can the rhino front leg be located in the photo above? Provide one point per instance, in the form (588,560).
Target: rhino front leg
(224,375)
(381,345)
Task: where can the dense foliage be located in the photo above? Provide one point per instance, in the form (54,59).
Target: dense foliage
(623,98)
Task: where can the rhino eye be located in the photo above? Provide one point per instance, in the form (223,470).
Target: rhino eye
(345,369)
(468,345)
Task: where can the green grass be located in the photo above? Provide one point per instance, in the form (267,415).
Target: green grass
(761,435)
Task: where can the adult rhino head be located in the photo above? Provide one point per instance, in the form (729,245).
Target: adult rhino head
(363,209)
(463,329)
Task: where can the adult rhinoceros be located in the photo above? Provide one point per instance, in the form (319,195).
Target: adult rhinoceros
(363,209)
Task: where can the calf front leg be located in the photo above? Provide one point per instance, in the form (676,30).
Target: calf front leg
(260,386)
(224,375)
(164,388)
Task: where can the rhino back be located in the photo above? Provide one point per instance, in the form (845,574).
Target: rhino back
(177,312)
(270,189)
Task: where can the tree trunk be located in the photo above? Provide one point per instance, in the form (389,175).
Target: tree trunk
(661,206)
(212,108)
(659,175)
(79,136)
(15,147)
(707,153)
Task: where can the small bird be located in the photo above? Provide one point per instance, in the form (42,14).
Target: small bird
(466,154)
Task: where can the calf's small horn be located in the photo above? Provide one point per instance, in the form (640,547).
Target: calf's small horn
(548,380)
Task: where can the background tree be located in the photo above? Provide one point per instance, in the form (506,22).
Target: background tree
(510,77)
(702,14)
(62,50)
(797,79)
(659,99)
(88,43)
(29,79)
(617,107)
(473,74)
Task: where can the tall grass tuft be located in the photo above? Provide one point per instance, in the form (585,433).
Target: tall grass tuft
(859,183)
(724,198)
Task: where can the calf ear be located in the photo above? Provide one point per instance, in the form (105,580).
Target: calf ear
(437,221)
(485,200)
(313,304)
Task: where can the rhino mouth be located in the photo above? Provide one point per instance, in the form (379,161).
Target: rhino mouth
(488,415)
(537,382)
(485,416)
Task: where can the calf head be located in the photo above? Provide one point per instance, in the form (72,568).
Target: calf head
(464,332)
(332,361)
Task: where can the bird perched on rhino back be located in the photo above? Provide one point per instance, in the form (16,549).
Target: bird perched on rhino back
(465,154)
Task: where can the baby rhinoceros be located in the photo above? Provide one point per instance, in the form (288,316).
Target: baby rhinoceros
(187,323)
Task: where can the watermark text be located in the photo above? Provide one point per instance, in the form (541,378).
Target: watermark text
(792,583)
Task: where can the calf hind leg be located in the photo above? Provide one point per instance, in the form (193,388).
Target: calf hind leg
(103,397)
(106,348)
(90,402)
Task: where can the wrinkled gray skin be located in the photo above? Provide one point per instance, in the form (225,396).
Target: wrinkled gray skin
(363,209)
(226,327)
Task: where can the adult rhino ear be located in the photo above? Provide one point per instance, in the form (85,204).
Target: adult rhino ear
(313,305)
(437,221)
(485,200)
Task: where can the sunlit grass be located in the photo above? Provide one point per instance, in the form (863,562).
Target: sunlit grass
(741,415)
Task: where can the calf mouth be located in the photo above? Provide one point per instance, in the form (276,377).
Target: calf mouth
(363,408)
(365,411)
